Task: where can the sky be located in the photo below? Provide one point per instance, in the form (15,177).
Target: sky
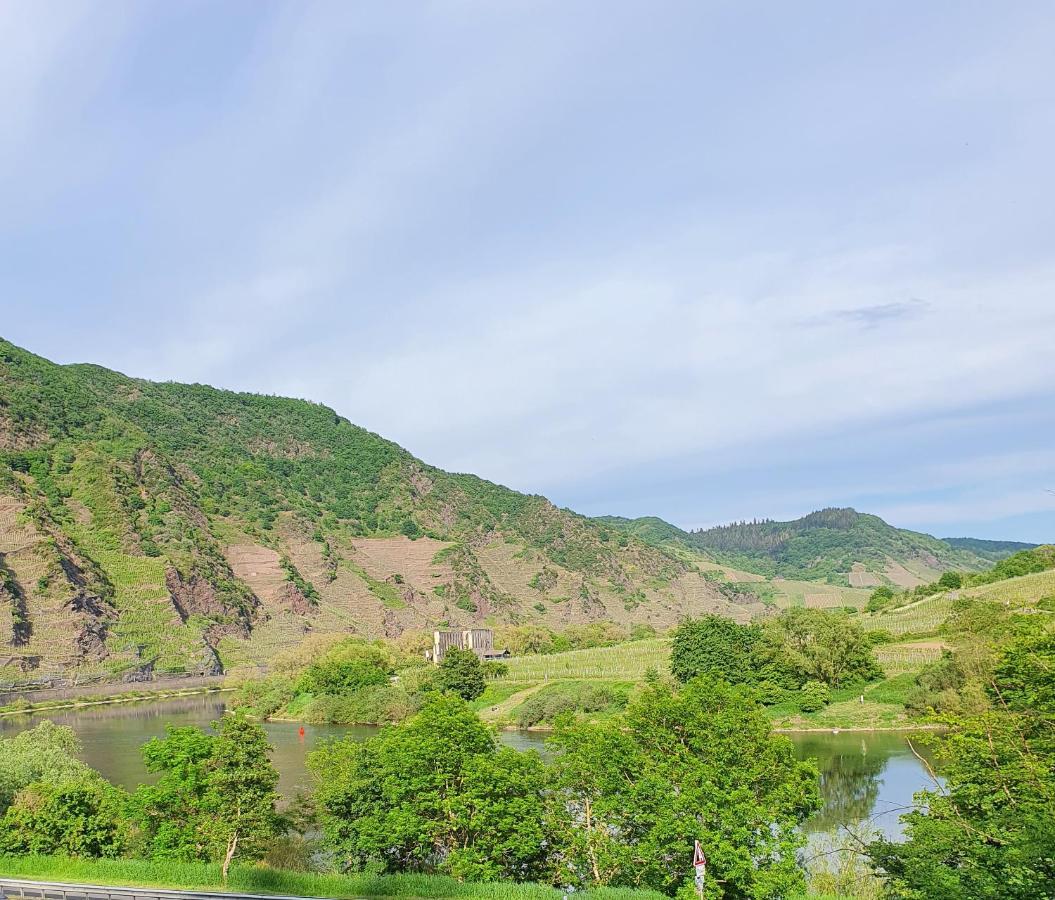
(701,260)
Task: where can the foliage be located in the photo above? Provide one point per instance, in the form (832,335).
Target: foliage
(881,597)
(461,673)
(783,653)
(434,794)
(822,645)
(715,646)
(529,639)
(495,669)
(567,697)
(630,795)
(987,832)
(346,667)
(814,696)
(824,546)
(215,796)
(241,795)
(76,815)
(1026,562)
(46,752)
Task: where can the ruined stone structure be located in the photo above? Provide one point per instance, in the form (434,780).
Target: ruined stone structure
(480,640)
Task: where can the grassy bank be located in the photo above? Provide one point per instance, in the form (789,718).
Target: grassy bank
(264,880)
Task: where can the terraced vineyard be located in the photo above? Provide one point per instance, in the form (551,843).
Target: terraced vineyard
(921,617)
(623,662)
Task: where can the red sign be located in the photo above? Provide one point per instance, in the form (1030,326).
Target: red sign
(698,859)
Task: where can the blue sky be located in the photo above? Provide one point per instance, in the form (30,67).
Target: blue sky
(704,260)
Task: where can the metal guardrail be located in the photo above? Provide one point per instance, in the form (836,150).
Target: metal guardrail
(17,889)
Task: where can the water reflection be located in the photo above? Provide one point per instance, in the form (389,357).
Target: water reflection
(865,777)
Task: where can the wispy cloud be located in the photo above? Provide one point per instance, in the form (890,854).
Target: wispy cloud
(651,260)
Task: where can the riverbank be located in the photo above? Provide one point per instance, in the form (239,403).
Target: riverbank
(25,707)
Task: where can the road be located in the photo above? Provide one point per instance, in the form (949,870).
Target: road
(15,889)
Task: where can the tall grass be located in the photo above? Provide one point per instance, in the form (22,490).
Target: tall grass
(265,880)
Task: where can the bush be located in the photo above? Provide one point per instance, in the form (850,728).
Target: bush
(715,646)
(814,696)
(76,816)
(345,668)
(569,697)
(495,669)
(461,673)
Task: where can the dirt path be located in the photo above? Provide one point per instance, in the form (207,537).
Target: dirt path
(502,710)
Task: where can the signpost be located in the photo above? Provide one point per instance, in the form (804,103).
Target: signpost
(699,862)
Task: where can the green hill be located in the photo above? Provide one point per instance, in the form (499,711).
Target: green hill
(990,550)
(838,546)
(179,528)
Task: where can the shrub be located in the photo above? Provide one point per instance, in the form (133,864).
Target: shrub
(570,697)
(814,696)
(495,669)
(715,646)
(461,673)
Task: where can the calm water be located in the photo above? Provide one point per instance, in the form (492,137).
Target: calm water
(863,776)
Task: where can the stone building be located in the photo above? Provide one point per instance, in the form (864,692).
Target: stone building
(480,640)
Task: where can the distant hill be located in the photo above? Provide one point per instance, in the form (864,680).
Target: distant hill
(990,550)
(179,528)
(838,546)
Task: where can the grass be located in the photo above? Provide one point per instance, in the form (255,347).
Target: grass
(882,706)
(265,880)
(495,692)
(623,662)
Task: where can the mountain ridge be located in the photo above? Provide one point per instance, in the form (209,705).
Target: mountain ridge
(837,545)
(161,527)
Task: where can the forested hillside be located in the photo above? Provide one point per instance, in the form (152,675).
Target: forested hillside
(169,527)
(838,546)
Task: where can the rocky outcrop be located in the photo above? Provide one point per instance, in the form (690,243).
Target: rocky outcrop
(195,596)
(93,617)
(291,598)
(12,595)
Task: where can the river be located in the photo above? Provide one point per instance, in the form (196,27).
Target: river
(866,777)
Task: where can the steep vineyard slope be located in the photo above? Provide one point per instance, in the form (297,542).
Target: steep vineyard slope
(152,527)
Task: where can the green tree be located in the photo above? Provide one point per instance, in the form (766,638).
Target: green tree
(169,813)
(216,796)
(433,794)
(715,646)
(950,581)
(241,795)
(987,832)
(822,645)
(629,795)
(461,673)
(879,598)
(45,752)
(74,815)
(345,668)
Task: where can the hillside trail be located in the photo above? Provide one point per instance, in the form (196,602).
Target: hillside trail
(501,710)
